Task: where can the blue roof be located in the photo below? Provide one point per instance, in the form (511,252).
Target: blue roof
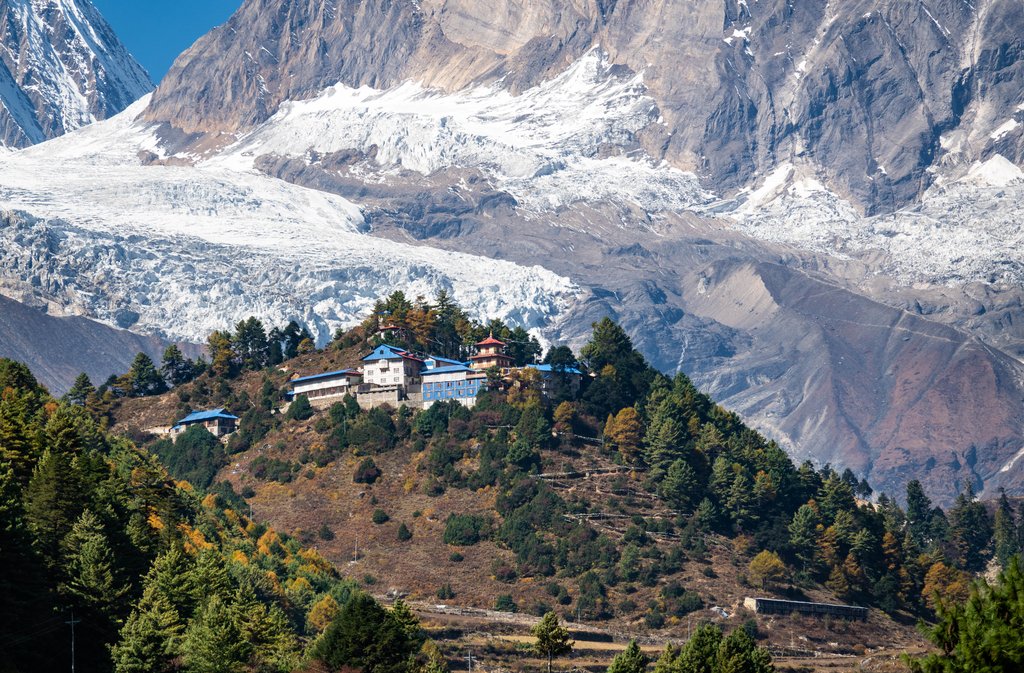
(454,369)
(327,375)
(547,369)
(438,358)
(384,352)
(200,416)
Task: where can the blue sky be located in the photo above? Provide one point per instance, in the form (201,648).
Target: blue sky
(156,31)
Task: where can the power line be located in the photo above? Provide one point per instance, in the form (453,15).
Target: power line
(72,623)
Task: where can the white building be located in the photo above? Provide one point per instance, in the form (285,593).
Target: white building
(388,367)
(325,389)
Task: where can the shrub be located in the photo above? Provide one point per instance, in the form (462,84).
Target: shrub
(300,409)
(456,557)
(273,469)
(380,516)
(446,592)
(404,533)
(325,533)
(367,472)
(464,530)
(504,603)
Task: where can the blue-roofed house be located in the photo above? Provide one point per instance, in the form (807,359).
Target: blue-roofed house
(552,377)
(434,361)
(217,421)
(322,390)
(452,382)
(390,367)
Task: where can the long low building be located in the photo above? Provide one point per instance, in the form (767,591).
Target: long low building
(324,389)
(775,606)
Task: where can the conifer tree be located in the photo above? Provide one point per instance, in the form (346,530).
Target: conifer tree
(213,642)
(803,534)
(17,444)
(630,660)
(766,569)
(552,638)
(919,512)
(53,501)
(364,635)
(144,378)
(151,637)
(222,354)
(680,487)
(1005,531)
(80,390)
(90,566)
(175,367)
(700,653)
(623,432)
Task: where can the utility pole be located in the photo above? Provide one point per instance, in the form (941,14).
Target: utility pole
(469,658)
(72,623)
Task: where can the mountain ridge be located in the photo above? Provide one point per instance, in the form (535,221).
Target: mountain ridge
(61,67)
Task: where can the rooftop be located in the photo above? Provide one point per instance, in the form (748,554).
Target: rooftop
(327,375)
(453,369)
(491,341)
(200,416)
(550,368)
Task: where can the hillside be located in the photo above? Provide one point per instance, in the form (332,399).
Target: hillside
(580,521)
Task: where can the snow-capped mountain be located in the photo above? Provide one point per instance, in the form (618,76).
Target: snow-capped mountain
(811,208)
(61,68)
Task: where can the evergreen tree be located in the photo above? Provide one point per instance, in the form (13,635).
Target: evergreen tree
(630,660)
(80,390)
(738,653)
(680,487)
(700,653)
(300,409)
(90,567)
(213,642)
(803,534)
(981,635)
(151,638)
(970,529)
(53,502)
(552,638)
(623,433)
(365,636)
(175,367)
(919,513)
(144,378)
(17,440)
(251,344)
(1005,531)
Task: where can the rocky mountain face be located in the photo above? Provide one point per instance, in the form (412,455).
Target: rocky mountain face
(61,67)
(811,208)
(59,348)
(874,93)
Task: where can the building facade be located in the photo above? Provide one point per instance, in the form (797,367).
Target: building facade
(389,367)
(325,389)
(453,382)
(490,353)
(217,421)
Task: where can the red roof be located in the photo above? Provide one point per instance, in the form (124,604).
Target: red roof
(491,341)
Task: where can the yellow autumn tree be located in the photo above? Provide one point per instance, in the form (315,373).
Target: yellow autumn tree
(623,432)
(767,569)
(322,613)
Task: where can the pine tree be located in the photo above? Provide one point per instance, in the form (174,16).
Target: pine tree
(410,624)
(552,638)
(171,578)
(151,638)
(970,529)
(364,635)
(80,390)
(919,512)
(1005,531)
(251,344)
(213,642)
(17,444)
(700,653)
(53,501)
(680,487)
(144,378)
(738,653)
(630,660)
(803,534)
(90,566)
(175,367)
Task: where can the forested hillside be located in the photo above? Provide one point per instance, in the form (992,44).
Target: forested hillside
(671,477)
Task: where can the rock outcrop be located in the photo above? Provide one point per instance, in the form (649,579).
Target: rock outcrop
(61,68)
(873,92)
